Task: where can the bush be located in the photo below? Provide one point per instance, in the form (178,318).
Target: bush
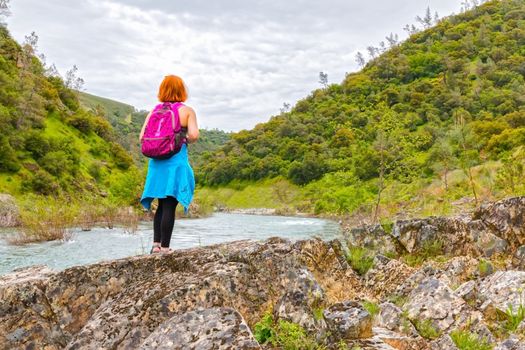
(82,121)
(465,340)
(360,259)
(44,219)
(426,329)
(8,161)
(121,158)
(41,183)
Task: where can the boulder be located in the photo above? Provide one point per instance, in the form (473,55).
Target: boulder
(400,341)
(518,259)
(434,301)
(392,318)
(386,276)
(501,290)
(299,302)
(445,342)
(120,303)
(372,237)
(206,329)
(348,320)
(506,219)
(9,214)
(486,240)
(417,234)
(513,343)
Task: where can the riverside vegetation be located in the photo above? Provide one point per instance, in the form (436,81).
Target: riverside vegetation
(278,294)
(68,158)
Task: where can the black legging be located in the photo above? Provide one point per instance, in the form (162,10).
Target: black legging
(164,220)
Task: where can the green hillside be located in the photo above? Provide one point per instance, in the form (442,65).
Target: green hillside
(434,119)
(50,145)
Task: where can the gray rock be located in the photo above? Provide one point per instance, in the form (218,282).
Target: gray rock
(500,290)
(391,317)
(453,232)
(300,300)
(348,320)
(518,259)
(400,341)
(119,303)
(467,291)
(434,301)
(513,343)
(215,328)
(445,342)
(486,240)
(9,214)
(372,237)
(506,218)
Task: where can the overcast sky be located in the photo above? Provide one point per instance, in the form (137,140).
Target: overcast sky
(241,59)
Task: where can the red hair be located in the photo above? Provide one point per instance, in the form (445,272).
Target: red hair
(172,89)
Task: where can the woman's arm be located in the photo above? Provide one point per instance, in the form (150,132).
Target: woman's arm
(144,127)
(193,128)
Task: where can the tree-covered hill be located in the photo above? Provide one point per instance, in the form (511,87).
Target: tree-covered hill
(449,100)
(49,145)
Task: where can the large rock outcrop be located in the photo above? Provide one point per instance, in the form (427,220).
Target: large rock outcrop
(121,304)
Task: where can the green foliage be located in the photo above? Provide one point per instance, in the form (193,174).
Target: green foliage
(465,340)
(446,99)
(514,317)
(286,335)
(263,330)
(372,308)
(360,259)
(426,329)
(48,144)
(430,249)
(484,267)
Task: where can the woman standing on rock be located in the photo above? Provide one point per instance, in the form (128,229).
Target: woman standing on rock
(164,137)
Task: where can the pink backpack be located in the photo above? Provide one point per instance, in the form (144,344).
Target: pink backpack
(164,135)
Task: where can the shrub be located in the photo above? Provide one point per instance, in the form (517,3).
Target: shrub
(514,317)
(44,219)
(430,249)
(465,340)
(372,308)
(8,161)
(360,259)
(426,329)
(263,330)
(41,183)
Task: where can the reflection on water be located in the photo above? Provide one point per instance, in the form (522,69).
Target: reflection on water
(105,244)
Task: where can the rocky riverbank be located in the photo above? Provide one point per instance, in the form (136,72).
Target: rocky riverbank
(435,283)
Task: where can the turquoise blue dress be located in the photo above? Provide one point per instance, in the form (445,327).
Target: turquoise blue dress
(170,177)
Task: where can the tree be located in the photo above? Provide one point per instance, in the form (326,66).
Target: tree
(426,21)
(442,156)
(360,59)
(285,108)
(373,51)
(392,39)
(72,80)
(466,146)
(323,79)
(4,11)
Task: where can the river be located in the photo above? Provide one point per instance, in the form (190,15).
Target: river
(104,244)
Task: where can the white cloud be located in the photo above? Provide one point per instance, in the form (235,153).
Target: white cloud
(240,59)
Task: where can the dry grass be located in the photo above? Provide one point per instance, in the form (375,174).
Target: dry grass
(44,221)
